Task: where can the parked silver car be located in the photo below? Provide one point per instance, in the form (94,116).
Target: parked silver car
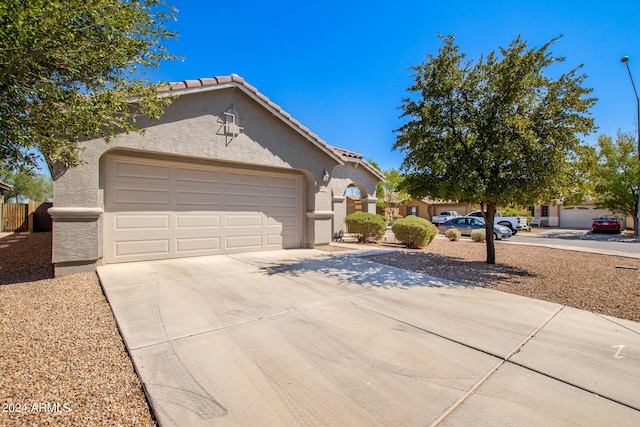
(466,224)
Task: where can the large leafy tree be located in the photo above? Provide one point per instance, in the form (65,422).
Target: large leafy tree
(389,193)
(616,177)
(66,73)
(496,132)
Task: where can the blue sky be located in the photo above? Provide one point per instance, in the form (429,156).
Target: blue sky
(341,67)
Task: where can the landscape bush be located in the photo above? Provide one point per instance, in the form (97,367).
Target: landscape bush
(414,232)
(516,211)
(453,234)
(478,236)
(366,226)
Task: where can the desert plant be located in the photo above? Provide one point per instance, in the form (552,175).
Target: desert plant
(453,234)
(366,226)
(478,236)
(414,232)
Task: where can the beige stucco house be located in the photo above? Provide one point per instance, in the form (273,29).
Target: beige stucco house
(224,170)
(573,216)
(427,208)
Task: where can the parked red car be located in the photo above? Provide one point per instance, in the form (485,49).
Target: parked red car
(606,223)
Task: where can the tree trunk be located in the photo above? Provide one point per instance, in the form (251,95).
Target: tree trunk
(635,226)
(489,216)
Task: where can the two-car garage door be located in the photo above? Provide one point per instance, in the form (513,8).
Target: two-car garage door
(160,209)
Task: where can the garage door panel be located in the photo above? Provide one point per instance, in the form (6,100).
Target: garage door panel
(197,221)
(281,182)
(290,240)
(198,198)
(282,201)
(244,221)
(243,200)
(125,169)
(282,220)
(197,244)
(158,210)
(138,196)
(142,221)
(274,240)
(144,247)
(251,242)
(244,180)
(195,176)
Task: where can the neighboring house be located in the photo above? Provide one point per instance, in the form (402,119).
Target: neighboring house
(224,170)
(572,216)
(427,208)
(550,215)
(4,188)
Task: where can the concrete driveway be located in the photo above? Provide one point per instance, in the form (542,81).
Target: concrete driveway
(304,337)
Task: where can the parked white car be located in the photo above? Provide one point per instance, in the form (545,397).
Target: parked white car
(515,223)
(444,216)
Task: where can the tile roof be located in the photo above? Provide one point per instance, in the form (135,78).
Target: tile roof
(187,86)
(5,187)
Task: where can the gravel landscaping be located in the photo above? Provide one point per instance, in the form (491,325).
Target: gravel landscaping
(64,362)
(603,284)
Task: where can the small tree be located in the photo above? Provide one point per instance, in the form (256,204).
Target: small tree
(616,177)
(494,133)
(27,186)
(388,192)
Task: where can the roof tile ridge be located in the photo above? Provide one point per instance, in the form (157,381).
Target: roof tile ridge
(235,78)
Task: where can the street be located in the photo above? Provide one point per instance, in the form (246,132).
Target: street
(582,240)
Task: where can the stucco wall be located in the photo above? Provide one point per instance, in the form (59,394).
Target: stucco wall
(193,127)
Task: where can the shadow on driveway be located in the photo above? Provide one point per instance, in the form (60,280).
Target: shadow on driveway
(361,269)
(476,273)
(408,269)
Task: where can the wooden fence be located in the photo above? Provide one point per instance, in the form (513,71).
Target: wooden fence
(14,217)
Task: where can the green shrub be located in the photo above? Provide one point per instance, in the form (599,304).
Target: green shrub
(414,232)
(478,236)
(453,234)
(517,211)
(367,226)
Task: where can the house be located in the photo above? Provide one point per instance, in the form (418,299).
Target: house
(572,216)
(4,188)
(550,215)
(427,208)
(224,170)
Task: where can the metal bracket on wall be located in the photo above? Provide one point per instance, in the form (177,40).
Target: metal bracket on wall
(232,126)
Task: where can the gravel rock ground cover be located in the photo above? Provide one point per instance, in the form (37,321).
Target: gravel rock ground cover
(603,284)
(63,360)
